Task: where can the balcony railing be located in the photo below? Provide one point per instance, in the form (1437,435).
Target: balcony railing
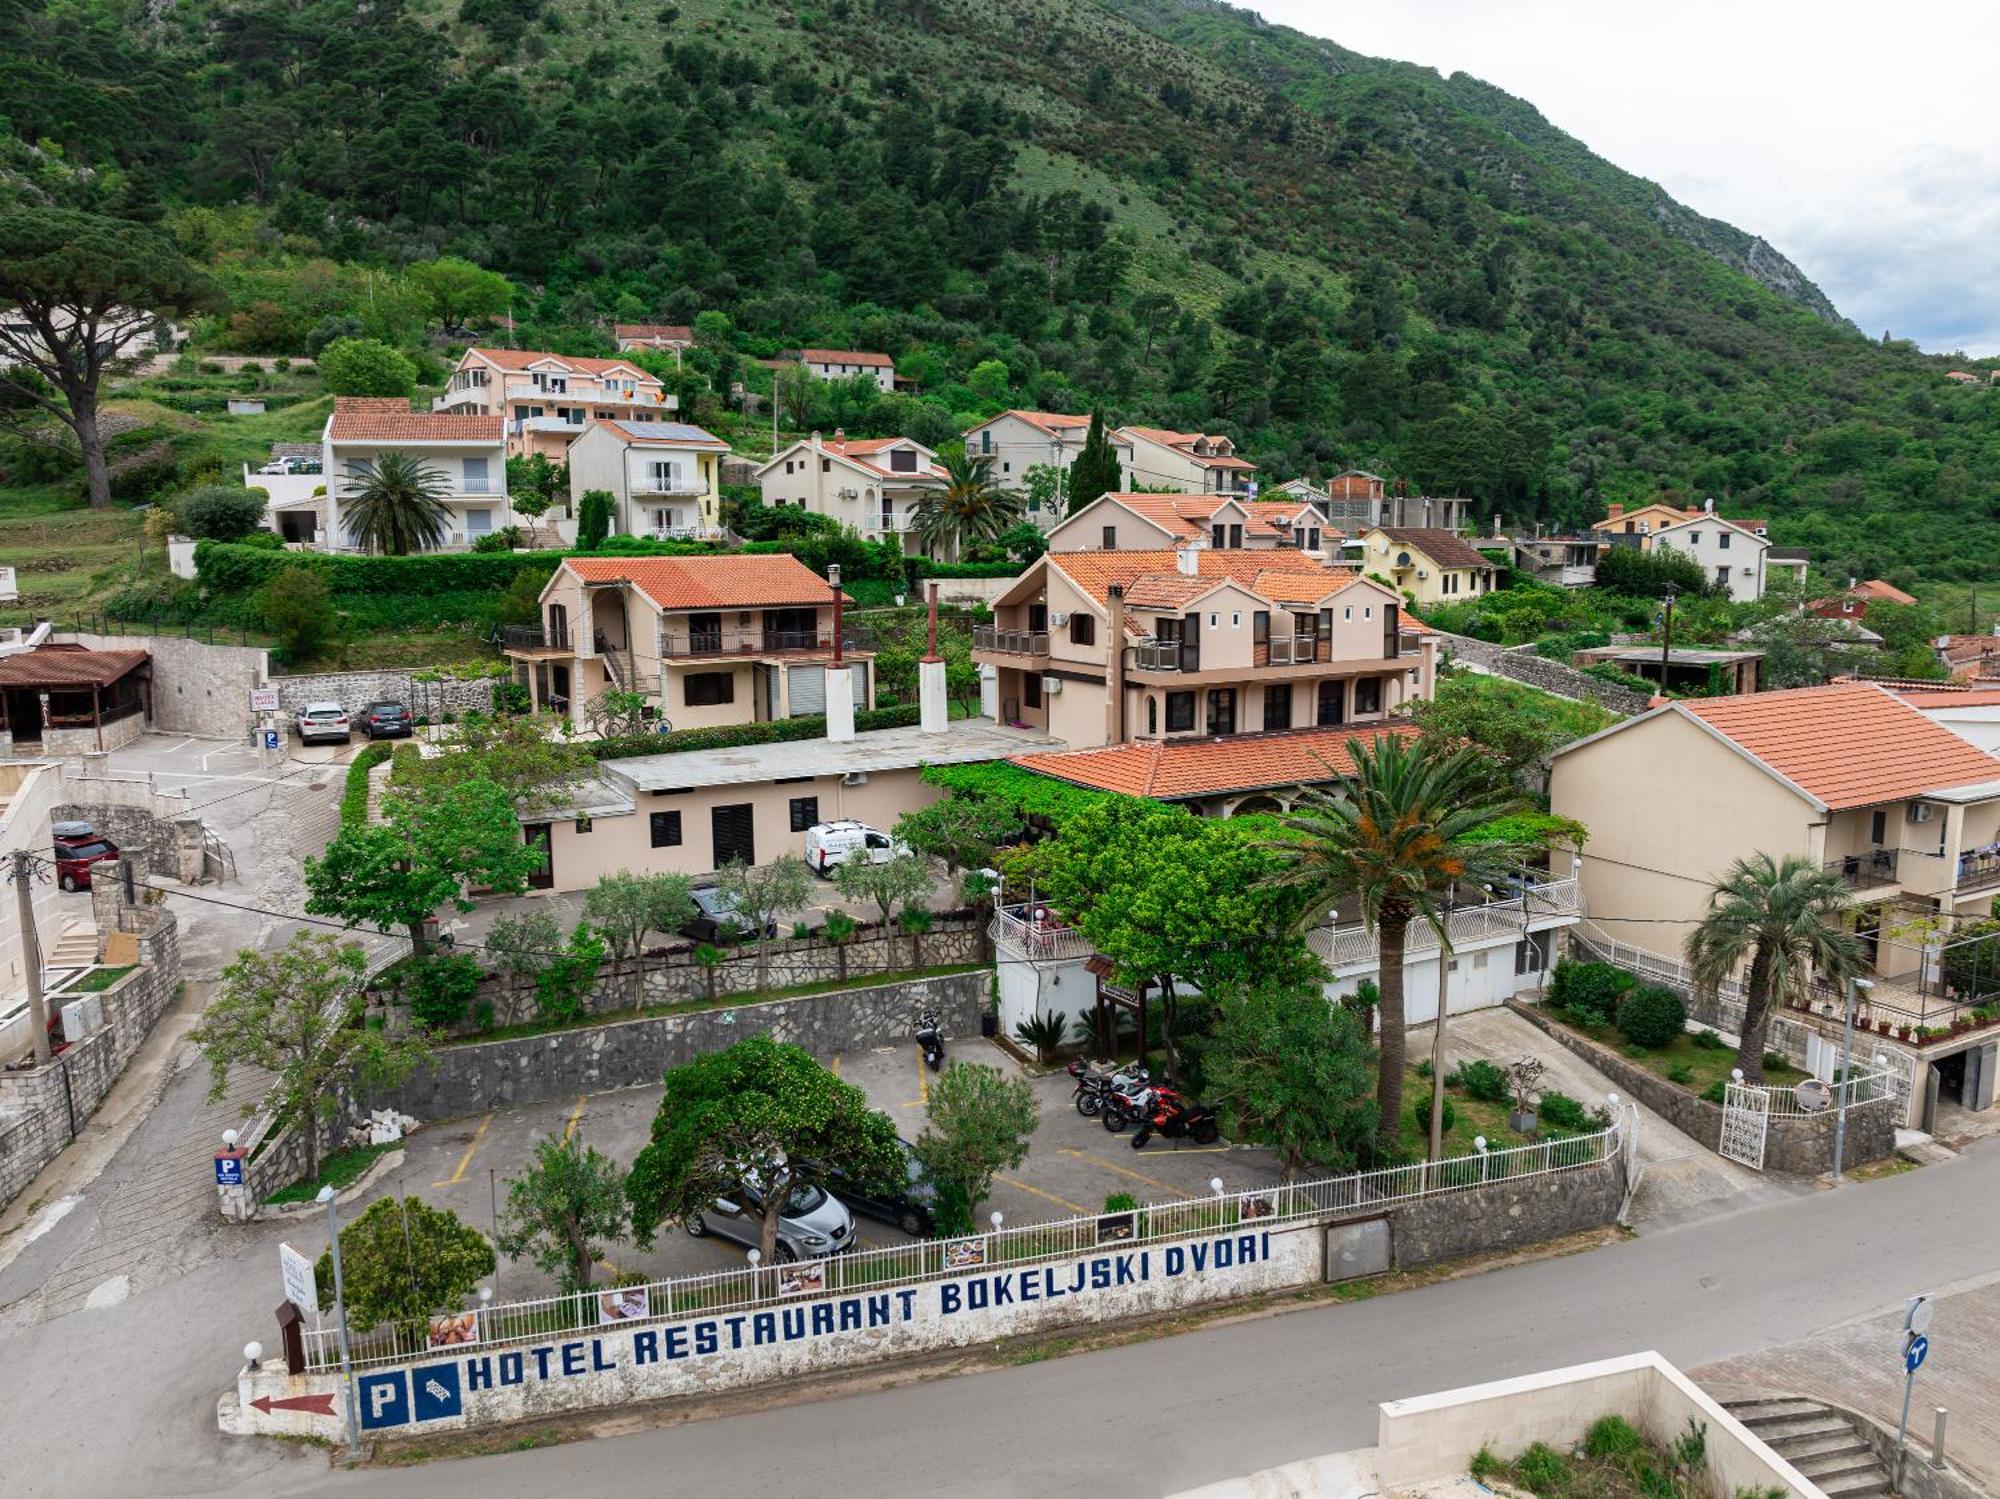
(1978,870)
(1157,655)
(1868,869)
(533,638)
(1010,642)
(741,642)
(1038,933)
(687,533)
(672,488)
(1292,650)
(1539,906)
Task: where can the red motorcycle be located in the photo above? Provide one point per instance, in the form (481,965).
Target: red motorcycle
(1125,1107)
(1196,1122)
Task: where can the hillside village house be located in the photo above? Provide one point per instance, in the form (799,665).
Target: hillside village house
(1354,500)
(467,452)
(1854,601)
(873,485)
(1847,776)
(1643,521)
(844,364)
(663,476)
(1150,522)
(1190,462)
(1017,441)
(674,338)
(1138,651)
(1429,565)
(1730,552)
(548,399)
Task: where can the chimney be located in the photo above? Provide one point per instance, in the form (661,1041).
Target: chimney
(1708,506)
(1187,561)
(839,676)
(1114,667)
(1611,511)
(932,715)
(840,434)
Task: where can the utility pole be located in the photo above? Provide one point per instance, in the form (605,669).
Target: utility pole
(1667,643)
(31,956)
(1437,1035)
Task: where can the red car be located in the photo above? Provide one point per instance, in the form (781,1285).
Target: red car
(77,847)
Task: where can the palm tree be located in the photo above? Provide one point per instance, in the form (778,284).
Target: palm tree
(1785,918)
(398,505)
(970,508)
(1391,835)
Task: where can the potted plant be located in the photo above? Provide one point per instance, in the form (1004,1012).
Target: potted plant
(1524,1077)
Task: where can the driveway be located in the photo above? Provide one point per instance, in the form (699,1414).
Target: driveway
(1072,1166)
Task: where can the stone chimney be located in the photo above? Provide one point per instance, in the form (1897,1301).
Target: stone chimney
(932,713)
(1611,511)
(1114,666)
(840,434)
(1187,560)
(839,676)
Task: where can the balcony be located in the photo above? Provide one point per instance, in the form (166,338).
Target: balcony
(675,488)
(1871,869)
(1977,870)
(1010,642)
(516,425)
(1291,650)
(1157,655)
(1038,933)
(681,645)
(687,533)
(1550,903)
(534,638)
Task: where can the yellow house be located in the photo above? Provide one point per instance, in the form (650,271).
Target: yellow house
(1427,563)
(1647,519)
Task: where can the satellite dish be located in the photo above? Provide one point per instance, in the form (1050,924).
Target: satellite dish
(1813,1095)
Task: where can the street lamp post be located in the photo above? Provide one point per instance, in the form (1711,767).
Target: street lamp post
(1844,1084)
(1667,637)
(326,1196)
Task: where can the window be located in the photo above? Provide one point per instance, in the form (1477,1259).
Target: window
(902,461)
(1392,631)
(1222,710)
(826,465)
(1367,611)
(986,441)
(1006,468)
(1152,715)
(805,812)
(1278,706)
(1722,575)
(1347,613)
(1236,538)
(1722,540)
(708,689)
(666,828)
(1332,703)
(1082,628)
(1180,712)
(1878,826)
(1235,619)
(1367,695)
(1212,617)
(478,522)
(1031,691)
(788,465)
(476,481)
(1216,535)
(1110,538)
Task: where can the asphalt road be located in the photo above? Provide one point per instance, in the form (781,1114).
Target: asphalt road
(1168,1414)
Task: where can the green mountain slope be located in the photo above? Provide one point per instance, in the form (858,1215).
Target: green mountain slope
(1164,205)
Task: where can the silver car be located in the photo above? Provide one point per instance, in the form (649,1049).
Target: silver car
(813,1225)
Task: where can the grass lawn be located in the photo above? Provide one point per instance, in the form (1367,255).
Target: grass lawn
(101,978)
(1683,1060)
(341,1169)
(1471,1117)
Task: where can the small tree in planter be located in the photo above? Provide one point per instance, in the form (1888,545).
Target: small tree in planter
(521,947)
(1044,1033)
(1525,1076)
(709,956)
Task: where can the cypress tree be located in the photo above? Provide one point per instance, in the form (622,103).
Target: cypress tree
(1095,471)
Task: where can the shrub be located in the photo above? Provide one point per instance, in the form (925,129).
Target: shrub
(1562,1111)
(354,798)
(503,540)
(1776,1061)
(511,697)
(1612,1437)
(1680,1072)
(593,521)
(441,990)
(1588,992)
(1420,1111)
(1707,1040)
(296,607)
(1543,1470)
(221,512)
(1482,1080)
(365,367)
(1651,1016)
(1044,1033)
(1715,1092)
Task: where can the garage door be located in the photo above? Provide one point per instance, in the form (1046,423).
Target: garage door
(735,834)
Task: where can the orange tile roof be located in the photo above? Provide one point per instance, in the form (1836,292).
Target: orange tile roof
(863,450)
(1095,572)
(1949,697)
(844,356)
(1172,769)
(1436,543)
(677,333)
(1184,442)
(721,582)
(390,419)
(1965,648)
(1849,744)
(1049,421)
(1875,588)
(522,359)
(60,666)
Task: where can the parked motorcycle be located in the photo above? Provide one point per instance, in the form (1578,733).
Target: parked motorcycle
(1126,1107)
(931,1038)
(1093,1085)
(1196,1122)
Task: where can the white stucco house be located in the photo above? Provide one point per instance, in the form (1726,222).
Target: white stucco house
(872,484)
(842,364)
(468,452)
(1731,552)
(664,477)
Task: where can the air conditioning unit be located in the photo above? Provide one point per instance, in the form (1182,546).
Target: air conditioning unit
(1059,618)
(855,778)
(1423,572)
(1921,812)
(850,494)
(1052,685)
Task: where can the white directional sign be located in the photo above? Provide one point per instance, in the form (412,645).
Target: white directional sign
(297,1273)
(263,700)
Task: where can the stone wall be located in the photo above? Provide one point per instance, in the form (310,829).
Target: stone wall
(197,688)
(355,690)
(481,1075)
(1508,1214)
(1794,1146)
(1523,665)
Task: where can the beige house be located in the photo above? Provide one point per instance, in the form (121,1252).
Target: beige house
(844,364)
(1017,441)
(707,640)
(1428,565)
(548,399)
(1730,552)
(1106,648)
(1190,462)
(1642,521)
(873,485)
(466,452)
(1152,522)
(674,338)
(664,476)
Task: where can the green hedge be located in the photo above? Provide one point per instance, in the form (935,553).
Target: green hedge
(733,736)
(354,800)
(228,567)
(1030,794)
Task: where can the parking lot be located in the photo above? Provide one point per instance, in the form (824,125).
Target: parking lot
(1073,1166)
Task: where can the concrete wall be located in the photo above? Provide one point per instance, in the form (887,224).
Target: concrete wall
(1432,1438)
(29,793)
(1506,1214)
(630,1053)
(354,690)
(1523,665)
(197,688)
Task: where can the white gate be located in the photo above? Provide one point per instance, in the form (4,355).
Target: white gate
(1746,1119)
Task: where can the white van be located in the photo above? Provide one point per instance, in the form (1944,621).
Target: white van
(831,844)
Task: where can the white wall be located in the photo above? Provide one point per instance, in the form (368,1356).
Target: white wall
(1978,726)
(28,789)
(1484,979)
(1026,989)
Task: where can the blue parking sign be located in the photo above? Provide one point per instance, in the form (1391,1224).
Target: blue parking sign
(385,1400)
(270,739)
(229,1171)
(436,1391)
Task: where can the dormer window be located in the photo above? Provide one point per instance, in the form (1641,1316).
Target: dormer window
(902,461)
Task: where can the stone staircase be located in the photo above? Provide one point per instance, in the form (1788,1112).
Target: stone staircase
(1817,1440)
(75,948)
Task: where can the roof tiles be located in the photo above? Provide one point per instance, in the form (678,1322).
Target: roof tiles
(719,582)
(390,419)
(1174,769)
(1438,544)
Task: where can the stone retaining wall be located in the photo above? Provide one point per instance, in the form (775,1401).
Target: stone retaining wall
(197,688)
(476,1076)
(1523,665)
(1793,1146)
(355,690)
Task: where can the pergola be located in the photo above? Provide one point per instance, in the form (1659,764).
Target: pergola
(68,687)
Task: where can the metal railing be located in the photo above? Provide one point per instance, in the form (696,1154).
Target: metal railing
(1293,650)
(742,642)
(533,638)
(687,533)
(672,488)
(882,1270)
(1976,871)
(1553,900)
(1038,933)
(1868,1087)
(1157,655)
(1012,642)
(1867,869)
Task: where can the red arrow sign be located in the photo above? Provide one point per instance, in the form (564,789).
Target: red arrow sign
(319,1405)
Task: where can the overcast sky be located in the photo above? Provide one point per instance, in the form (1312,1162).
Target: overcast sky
(1861,139)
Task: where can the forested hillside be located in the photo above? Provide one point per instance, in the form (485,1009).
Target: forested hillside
(1163,205)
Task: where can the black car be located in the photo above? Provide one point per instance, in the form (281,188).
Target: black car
(385,721)
(717,919)
(911,1205)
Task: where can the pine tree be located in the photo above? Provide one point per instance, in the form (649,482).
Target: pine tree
(1095,471)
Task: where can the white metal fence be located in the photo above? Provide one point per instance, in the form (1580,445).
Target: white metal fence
(1553,900)
(878,1270)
